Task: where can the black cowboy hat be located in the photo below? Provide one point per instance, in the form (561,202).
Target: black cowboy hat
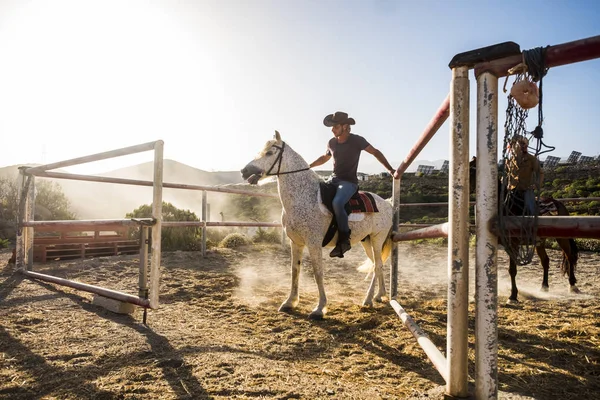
(339,117)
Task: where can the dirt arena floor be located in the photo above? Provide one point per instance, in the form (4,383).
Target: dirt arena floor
(218,334)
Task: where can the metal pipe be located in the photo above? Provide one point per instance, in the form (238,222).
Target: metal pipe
(395,221)
(94,157)
(143,274)
(430,232)
(486,256)
(433,353)
(436,122)
(554,227)
(111,294)
(557,55)
(137,182)
(87,224)
(204,204)
(458,235)
(171,224)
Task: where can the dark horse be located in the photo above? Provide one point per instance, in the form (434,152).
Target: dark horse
(547,206)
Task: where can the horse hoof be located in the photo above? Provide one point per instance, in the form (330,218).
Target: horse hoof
(544,289)
(512,301)
(367,304)
(382,299)
(315,316)
(574,289)
(286,308)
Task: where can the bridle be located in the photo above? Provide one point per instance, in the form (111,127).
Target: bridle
(278,162)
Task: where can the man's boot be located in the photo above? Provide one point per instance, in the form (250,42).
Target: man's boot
(342,246)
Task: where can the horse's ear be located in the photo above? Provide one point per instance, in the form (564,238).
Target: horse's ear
(277,136)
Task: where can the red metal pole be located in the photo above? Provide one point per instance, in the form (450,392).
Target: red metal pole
(561,54)
(556,227)
(436,122)
(430,232)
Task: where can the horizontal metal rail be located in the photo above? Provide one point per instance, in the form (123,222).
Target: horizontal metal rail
(94,157)
(111,294)
(554,227)
(173,224)
(430,232)
(87,224)
(137,182)
(561,54)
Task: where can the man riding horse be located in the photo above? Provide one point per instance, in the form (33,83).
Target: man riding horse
(345,148)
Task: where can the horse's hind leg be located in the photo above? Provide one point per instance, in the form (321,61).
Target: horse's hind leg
(541,252)
(294,297)
(569,261)
(512,270)
(377,275)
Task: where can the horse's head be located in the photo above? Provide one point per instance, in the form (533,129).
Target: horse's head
(265,161)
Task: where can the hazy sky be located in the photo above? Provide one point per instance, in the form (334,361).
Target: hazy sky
(214,79)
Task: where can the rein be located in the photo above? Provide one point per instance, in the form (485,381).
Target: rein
(278,162)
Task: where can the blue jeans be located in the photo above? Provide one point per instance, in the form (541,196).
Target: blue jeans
(344,192)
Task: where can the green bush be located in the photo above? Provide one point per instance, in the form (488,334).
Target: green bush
(234,240)
(175,238)
(4,243)
(267,236)
(588,245)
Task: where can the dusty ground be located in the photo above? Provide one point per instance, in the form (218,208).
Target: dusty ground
(218,334)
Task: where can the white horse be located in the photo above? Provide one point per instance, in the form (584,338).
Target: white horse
(305,223)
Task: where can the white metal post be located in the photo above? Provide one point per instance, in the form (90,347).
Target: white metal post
(458,237)
(20,239)
(395,224)
(486,258)
(204,213)
(143,276)
(156,228)
(29,216)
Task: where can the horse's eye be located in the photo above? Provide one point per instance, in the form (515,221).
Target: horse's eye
(269,153)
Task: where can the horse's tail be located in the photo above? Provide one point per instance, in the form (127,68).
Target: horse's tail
(570,261)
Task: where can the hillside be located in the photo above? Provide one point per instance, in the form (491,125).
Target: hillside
(106,200)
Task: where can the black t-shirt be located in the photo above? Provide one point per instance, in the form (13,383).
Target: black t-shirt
(346,156)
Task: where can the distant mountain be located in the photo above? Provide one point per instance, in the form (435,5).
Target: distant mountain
(107,200)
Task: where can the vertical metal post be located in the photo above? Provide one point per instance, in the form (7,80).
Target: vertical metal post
(458,236)
(486,258)
(29,216)
(204,209)
(20,239)
(157,200)
(143,279)
(395,223)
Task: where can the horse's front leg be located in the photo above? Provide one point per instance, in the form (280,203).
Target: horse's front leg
(294,297)
(316,257)
(512,270)
(545,260)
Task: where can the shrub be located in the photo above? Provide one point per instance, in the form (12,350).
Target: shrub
(267,236)
(176,238)
(234,240)
(4,243)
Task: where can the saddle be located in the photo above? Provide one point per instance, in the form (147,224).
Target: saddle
(360,202)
